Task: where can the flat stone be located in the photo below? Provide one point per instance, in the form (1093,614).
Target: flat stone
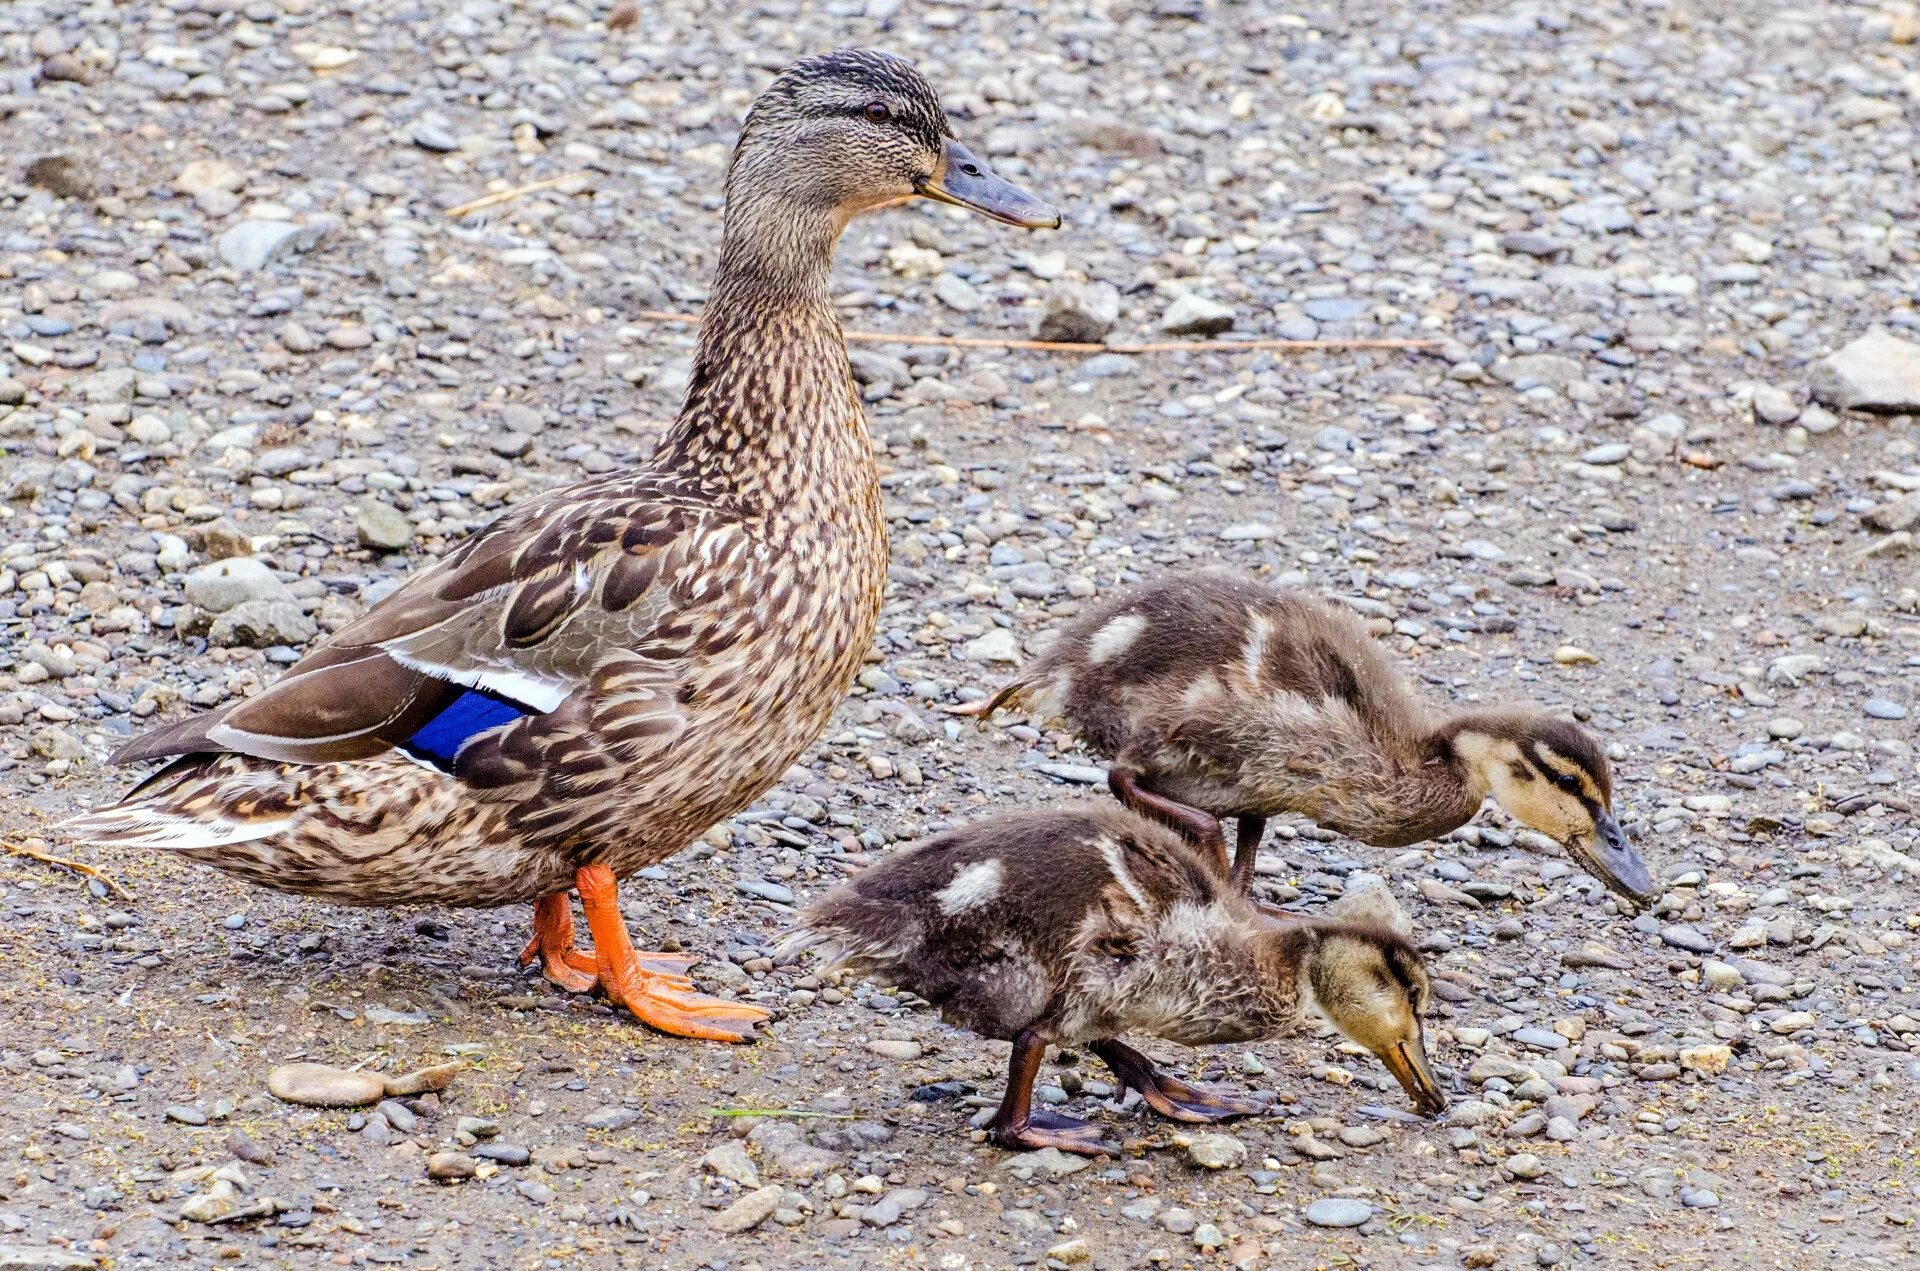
(997,645)
(1890,518)
(251,245)
(904,1051)
(1883,708)
(1877,372)
(381,526)
(451,1167)
(322,1086)
(1337,1211)
(1196,315)
(1079,313)
(43,1258)
(432,1078)
(730,1161)
(610,1118)
(1681,936)
(225,584)
(1216,1151)
(1049,1162)
(749,1211)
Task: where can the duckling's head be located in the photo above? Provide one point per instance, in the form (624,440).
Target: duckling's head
(843,133)
(1550,773)
(1373,986)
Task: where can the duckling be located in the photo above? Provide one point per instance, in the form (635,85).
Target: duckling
(1073,927)
(606,670)
(1215,695)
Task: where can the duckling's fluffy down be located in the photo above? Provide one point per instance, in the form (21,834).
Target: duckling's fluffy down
(1076,924)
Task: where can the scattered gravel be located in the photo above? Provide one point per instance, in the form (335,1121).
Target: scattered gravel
(1658,469)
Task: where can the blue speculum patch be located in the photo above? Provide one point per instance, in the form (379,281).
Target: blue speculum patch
(471,713)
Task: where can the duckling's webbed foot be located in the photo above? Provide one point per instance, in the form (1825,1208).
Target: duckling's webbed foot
(1018,1126)
(1169,1096)
(1198,827)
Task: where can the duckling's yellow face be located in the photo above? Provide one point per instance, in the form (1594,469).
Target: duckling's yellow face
(850,131)
(1374,988)
(1552,775)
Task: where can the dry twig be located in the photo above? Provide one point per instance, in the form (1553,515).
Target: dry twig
(498,197)
(78,867)
(1061,346)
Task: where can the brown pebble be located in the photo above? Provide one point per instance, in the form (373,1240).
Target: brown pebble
(450,1167)
(423,1080)
(247,1148)
(320,1086)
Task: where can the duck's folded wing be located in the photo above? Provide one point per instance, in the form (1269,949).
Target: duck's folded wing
(507,626)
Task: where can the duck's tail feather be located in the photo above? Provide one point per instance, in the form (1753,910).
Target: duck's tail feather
(163,813)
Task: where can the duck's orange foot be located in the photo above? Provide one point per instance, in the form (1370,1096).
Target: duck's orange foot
(575,969)
(653,986)
(666,1002)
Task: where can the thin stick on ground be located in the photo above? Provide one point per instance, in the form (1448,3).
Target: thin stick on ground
(498,197)
(1072,346)
(79,867)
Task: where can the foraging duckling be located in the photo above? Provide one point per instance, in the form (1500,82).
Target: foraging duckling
(607,669)
(1215,695)
(1074,927)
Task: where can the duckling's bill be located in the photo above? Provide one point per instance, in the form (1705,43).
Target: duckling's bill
(1606,853)
(964,180)
(1407,1061)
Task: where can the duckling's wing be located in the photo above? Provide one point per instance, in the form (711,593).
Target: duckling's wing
(507,626)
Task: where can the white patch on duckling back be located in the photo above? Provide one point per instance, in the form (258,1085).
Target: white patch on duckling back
(1117,865)
(972,887)
(1200,691)
(1254,651)
(1113,639)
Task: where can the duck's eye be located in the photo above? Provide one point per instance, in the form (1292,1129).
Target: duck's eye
(1568,783)
(879,112)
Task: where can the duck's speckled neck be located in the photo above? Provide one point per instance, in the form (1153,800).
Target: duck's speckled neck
(771,411)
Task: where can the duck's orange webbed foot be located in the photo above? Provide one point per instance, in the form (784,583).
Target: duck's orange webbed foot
(651,985)
(575,969)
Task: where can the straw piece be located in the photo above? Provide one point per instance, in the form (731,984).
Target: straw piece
(1059,346)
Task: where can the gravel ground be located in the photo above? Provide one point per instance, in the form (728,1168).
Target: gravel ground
(1667,254)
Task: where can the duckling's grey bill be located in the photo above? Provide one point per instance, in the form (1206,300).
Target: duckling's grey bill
(964,180)
(1609,857)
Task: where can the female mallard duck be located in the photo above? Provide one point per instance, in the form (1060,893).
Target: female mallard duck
(1215,695)
(605,671)
(1074,927)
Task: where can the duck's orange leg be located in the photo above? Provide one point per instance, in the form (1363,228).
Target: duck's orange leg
(573,968)
(658,999)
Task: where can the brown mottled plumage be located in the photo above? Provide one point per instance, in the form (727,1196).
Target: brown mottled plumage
(650,649)
(1073,927)
(1215,695)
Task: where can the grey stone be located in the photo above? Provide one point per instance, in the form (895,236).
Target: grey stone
(251,246)
(262,624)
(610,1118)
(1337,1211)
(381,526)
(1079,313)
(1902,513)
(1216,1151)
(1191,314)
(1876,372)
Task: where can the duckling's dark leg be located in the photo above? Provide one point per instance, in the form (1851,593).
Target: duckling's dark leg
(1248,830)
(1016,1125)
(661,1000)
(1169,1096)
(1201,828)
(573,968)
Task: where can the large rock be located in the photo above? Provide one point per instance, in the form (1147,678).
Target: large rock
(1079,313)
(1902,513)
(251,245)
(227,584)
(1876,372)
(1197,315)
(262,624)
(382,526)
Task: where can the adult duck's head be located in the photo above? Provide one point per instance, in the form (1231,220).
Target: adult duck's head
(846,132)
